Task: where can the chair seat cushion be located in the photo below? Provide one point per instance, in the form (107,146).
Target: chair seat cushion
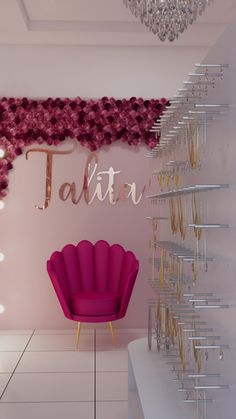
(95,303)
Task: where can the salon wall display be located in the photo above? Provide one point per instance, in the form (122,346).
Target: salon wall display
(105,182)
(92,123)
(181,261)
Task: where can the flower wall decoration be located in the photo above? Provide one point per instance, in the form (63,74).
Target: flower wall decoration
(94,123)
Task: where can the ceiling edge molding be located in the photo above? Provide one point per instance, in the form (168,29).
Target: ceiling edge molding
(102,26)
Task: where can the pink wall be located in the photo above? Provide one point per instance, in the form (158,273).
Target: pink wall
(29,236)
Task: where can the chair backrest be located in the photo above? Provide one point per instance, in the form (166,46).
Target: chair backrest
(88,267)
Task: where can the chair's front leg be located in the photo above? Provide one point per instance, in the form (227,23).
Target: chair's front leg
(78,334)
(113,336)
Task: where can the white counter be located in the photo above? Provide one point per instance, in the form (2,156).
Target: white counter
(152,393)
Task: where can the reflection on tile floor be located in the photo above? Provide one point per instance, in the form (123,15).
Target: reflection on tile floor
(43,376)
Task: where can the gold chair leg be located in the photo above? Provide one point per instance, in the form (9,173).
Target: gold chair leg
(78,334)
(113,336)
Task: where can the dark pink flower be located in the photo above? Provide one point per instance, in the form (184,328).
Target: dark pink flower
(94,123)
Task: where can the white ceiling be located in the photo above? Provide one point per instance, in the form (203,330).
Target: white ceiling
(98,22)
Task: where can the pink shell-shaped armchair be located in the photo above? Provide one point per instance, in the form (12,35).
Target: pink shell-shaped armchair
(93,283)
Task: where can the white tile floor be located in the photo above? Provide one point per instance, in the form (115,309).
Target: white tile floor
(43,376)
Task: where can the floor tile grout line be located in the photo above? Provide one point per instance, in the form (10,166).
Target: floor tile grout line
(66,372)
(51,350)
(16,365)
(49,402)
(69,350)
(64,401)
(54,372)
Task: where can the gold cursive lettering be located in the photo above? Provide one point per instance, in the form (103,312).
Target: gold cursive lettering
(68,190)
(48,185)
(132,193)
(110,187)
(122,196)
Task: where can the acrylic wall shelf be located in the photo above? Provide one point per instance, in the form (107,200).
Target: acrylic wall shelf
(202,226)
(188,190)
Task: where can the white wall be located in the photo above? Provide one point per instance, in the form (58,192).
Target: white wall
(28,236)
(218,166)
(95,72)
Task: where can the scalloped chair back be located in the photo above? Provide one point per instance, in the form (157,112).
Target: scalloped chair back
(93,282)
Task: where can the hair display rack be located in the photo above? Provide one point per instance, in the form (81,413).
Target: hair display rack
(177,322)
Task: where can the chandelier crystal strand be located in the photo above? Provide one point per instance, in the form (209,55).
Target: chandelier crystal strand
(167,18)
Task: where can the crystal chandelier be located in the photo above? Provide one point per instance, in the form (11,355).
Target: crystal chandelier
(167,18)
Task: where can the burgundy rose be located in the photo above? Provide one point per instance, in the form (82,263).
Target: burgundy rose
(139,119)
(61,137)
(18,151)
(99,127)
(80,137)
(17,120)
(13,107)
(92,123)
(82,104)
(146,103)
(67,133)
(53,120)
(93,147)
(94,108)
(107,106)
(135,106)
(118,103)
(110,119)
(118,135)
(8,135)
(45,104)
(163,101)
(73,105)
(123,131)
(3,184)
(136,135)
(9,166)
(25,103)
(81,114)
(107,135)
(61,105)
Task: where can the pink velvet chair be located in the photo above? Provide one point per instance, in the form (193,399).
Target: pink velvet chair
(93,283)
